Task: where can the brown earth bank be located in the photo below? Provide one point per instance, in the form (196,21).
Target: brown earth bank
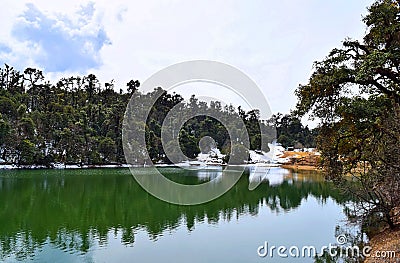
(385,247)
(306,161)
(386,243)
(300,167)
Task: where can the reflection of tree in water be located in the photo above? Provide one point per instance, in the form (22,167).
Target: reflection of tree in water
(73,209)
(343,252)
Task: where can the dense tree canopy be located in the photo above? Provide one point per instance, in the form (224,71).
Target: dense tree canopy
(78,120)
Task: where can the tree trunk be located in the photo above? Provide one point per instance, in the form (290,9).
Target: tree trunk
(389,220)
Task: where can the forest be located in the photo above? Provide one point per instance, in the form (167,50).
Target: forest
(78,120)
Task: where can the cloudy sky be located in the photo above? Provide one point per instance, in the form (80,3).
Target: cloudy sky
(273,42)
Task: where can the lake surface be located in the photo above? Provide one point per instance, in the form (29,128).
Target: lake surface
(103,215)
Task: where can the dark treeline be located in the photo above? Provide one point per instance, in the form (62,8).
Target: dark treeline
(78,120)
(291,132)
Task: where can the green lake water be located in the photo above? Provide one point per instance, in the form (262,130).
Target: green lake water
(103,215)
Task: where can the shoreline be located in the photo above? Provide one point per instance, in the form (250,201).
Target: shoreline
(100,166)
(386,241)
(61,166)
(296,168)
(292,160)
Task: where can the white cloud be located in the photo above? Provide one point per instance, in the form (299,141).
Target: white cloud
(274,42)
(57,42)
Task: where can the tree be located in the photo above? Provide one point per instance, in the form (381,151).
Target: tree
(92,85)
(75,121)
(4,133)
(27,152)
(239,154)
(355,93)
(107,148)
(33,76)
(291,132)
(188,144)
(133,86)
(7,106)
(27,127)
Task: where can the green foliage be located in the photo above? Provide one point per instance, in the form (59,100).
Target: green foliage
(67,122)
(26,151)
(78,120)
(7,106)
(355,93)
(107,148)
(292,133)
(4,130)
(188,144)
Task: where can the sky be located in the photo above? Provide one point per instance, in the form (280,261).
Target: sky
(274,42)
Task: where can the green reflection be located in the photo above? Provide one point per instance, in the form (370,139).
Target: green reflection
(72,209)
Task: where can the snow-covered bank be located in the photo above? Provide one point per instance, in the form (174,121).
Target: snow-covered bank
(62,166)
(277,156)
